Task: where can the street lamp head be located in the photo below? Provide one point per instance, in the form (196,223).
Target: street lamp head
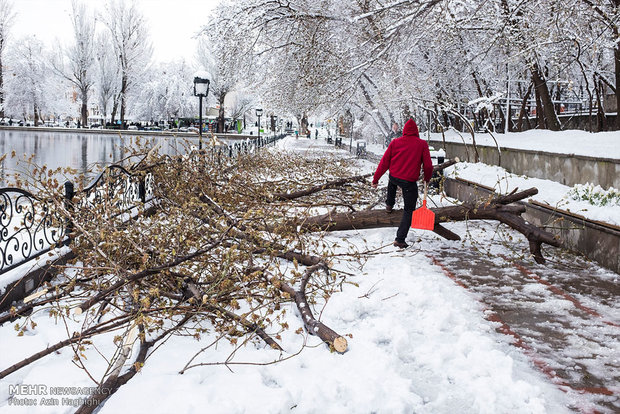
(259,111)
(201,84)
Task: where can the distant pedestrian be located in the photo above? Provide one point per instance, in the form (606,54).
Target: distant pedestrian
(403,157)
(316,133)
(395,132)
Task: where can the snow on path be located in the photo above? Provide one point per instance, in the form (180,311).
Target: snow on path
(564,315)
(419,344)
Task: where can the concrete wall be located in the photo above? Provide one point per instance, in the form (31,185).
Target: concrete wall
(567,169)
(596,241)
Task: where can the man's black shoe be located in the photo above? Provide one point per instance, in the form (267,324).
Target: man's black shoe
(401,245)
(388,209)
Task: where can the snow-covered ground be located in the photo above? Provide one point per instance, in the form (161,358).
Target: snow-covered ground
(549,192)
(418,342)
(599,145)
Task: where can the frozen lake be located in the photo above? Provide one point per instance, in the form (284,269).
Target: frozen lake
(79,150)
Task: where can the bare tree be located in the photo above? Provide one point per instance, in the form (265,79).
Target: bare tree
(129,36)
(608,12)
(218,56)
(26,88)
(374,57)
(6,21)
(167,93)
(107,72)
(241,103)
(79,66)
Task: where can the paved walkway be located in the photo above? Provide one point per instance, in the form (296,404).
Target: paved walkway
(565,316)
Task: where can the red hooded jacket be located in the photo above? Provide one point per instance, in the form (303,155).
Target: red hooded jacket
(405,155)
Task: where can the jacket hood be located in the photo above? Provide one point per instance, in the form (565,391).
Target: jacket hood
(411,128)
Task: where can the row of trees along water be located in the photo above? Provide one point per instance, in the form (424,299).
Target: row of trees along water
(446,62)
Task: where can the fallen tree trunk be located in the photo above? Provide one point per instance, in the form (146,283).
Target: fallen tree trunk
(492,209)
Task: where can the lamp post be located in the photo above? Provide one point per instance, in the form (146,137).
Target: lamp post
(259,112)
(201,90)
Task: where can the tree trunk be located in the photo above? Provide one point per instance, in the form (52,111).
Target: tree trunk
(617,69)
(1,86)
(123,99)
(542,89)
(36,115)
(114,109)
(495,209)
(372,105)
(540,119)
(221,115)
(406,112)
(84,110)
(601,118)
(483,114)
(523,113)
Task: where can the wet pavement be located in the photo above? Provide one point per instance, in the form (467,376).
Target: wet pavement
(564,315)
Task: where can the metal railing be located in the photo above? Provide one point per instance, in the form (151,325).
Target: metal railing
(117,186)
(28,227)
(252,145)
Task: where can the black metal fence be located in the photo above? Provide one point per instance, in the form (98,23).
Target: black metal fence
(250,145)
(116,186)
(31,227)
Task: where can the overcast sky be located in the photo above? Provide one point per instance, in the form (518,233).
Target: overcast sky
(172,23)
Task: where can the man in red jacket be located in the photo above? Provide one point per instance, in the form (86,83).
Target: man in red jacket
(404,157)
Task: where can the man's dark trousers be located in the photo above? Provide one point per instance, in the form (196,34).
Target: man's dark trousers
(410,196)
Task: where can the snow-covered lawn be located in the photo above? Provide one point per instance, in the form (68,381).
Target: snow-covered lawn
(599,145)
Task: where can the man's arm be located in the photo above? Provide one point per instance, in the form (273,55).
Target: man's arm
(383,166)
(428,163)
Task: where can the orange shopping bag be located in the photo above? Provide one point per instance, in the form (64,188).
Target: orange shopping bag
(423,218)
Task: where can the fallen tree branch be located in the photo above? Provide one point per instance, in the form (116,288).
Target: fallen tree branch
(317,188)
(312,325)
(114,382)
(145,273)
(250,326)
(104,327)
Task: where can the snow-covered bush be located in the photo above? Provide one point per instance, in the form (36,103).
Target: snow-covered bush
(595,195)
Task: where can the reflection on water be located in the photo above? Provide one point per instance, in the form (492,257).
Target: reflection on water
(83,151)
